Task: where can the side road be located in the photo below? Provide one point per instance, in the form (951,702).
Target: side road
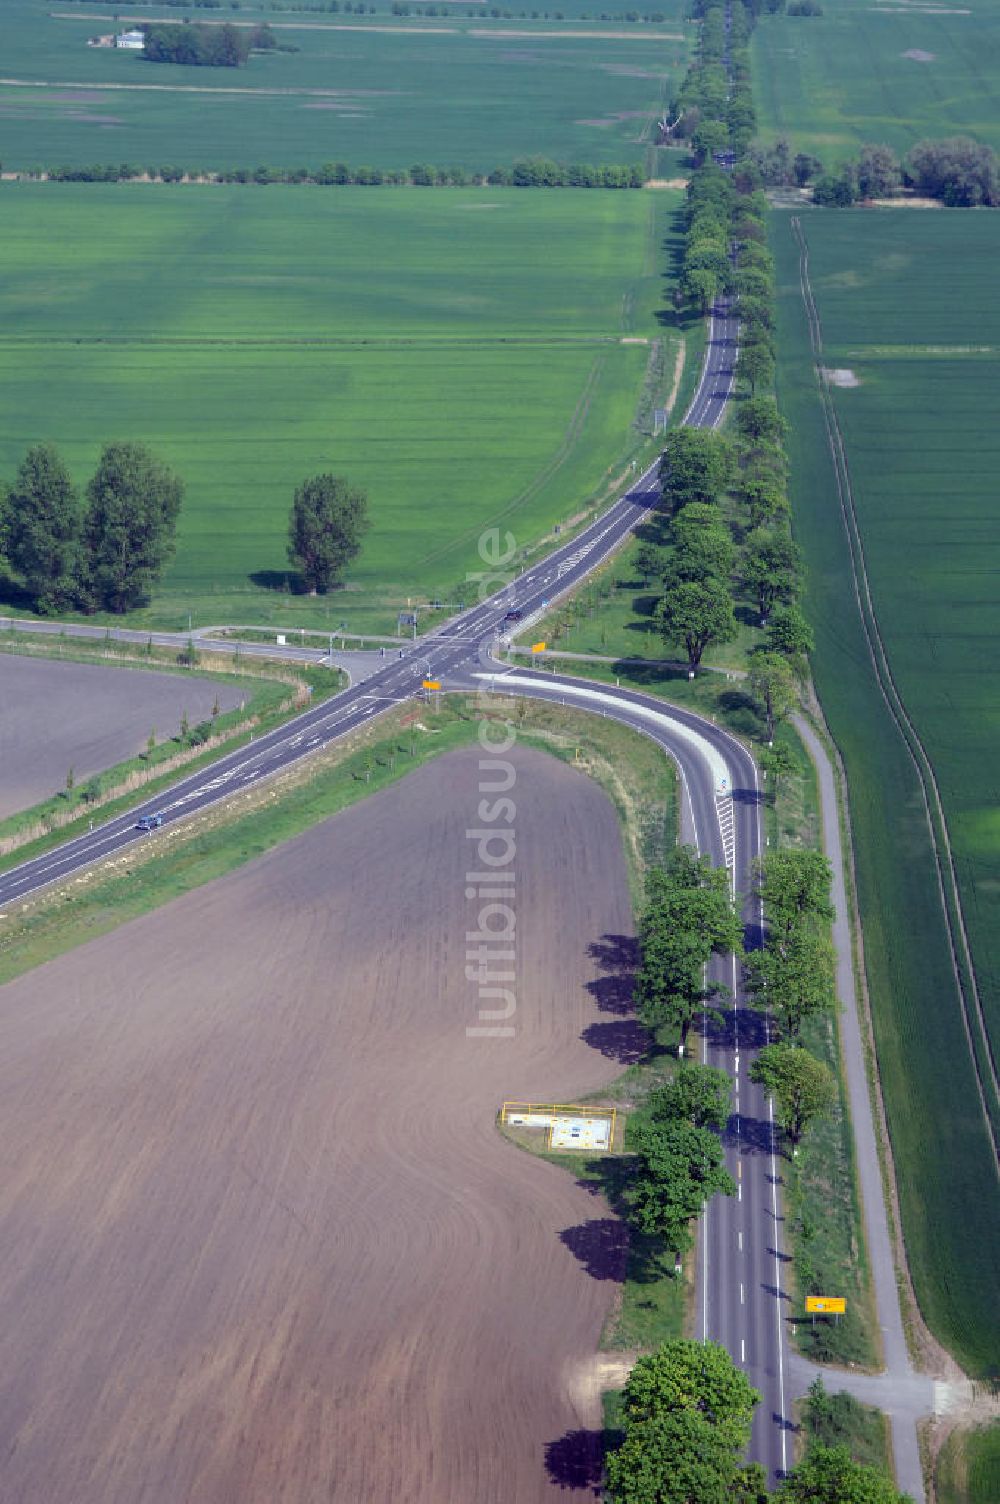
(904,1394)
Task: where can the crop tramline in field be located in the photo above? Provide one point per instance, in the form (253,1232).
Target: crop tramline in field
(863,72)
(916,362)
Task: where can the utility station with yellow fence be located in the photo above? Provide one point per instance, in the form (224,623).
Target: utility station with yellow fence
(566,1125)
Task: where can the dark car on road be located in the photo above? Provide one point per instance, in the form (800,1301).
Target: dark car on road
(514,616)
(149,822)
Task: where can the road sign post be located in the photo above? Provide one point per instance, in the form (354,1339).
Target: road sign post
(825,1305)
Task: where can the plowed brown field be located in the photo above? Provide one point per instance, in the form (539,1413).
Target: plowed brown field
(261,1242)
(56,716)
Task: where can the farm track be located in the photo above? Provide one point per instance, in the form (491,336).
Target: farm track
(973,1016)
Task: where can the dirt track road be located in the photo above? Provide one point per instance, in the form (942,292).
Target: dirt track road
(261,1242)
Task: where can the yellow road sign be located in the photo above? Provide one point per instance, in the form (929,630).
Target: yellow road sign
(432,684)
(825,1305)
(538,647)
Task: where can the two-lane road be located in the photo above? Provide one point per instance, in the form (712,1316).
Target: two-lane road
(740,1254)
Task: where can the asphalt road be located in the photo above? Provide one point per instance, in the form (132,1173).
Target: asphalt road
(455,647)
(740,1249)
(741,1260)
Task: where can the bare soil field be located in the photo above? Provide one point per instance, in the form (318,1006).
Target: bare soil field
(262,1241)
(57,716)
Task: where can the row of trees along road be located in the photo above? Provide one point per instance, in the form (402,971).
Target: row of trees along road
(792,976)
(688,1409)
(102,554)
(723,535)
(686,1418)
(689,913)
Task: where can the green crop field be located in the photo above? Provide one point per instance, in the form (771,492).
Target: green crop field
(474,92)
(457,352)
(968,1467)
(907,307)
(889,72)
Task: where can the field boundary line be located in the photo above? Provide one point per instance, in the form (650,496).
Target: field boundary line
(948,889)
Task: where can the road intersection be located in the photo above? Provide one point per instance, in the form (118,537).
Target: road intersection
(742,1302)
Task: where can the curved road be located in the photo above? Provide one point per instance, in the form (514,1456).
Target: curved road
(455,646)
(740,1250)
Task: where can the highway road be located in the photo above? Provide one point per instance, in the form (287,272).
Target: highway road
(740,1255)
(740,1252)
(457,645)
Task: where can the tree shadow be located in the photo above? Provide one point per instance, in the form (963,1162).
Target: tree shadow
(751,1135)
(13,594)
(655,528)
(611,1179)
(723,1029)
(618,958)
(649,673)
(625,1041)
(742,711)
(601,1246)
(576,1460)
(776,1291)
(287,581)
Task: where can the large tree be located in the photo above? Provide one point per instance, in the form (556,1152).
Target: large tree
(328,520)
(879,174)
(803,1087)
(960,171)
(829,1475)
(770,569)
(789,633)
(687,1416)
(697,465)
(756,365)
(695,613)
(759,421)
(133,504)
(697,1094)
(42,529)
(699,1377)
(774,688)
(679,1458)
(796,980)
(678,1168)
(689,912)
(794,884)
(650,562)
(763,494)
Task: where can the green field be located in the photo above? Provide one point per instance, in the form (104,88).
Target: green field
(459,353)
(831,82)
(906,304)
(968,1469)
(473,92)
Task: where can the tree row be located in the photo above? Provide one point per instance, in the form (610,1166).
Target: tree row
(526,172)
(106,550)
(687,1413)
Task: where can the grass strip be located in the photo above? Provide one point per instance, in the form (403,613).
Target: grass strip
(275,692)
